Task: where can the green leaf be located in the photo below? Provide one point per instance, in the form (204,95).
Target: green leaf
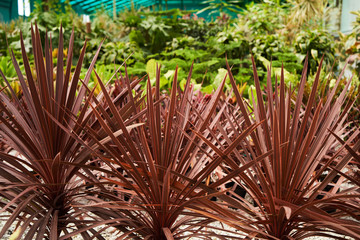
(208,89)
(151,68)
(300,57)
(314,53)
(252,92)
(288,77)
(219,77)
(264,61)
(163,82)
(170,74)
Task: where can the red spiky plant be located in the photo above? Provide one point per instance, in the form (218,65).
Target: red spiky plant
(156,172)
(302,188)
(40,179)
(160,167)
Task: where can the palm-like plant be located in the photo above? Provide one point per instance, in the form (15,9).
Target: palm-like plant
(39,178)
(155,166)
(156,172)
(298,190)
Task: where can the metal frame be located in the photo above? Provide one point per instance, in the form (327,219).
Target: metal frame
(143,3)
(90,6)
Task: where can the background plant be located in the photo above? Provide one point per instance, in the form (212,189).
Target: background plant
(262,29)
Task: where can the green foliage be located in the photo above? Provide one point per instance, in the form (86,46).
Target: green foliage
(219,78)
(155,32)
(215,7)
(7,68)
(318,43)
(137,37)
(291,62)
(267,45)
(179,38)
(76,159)
(266,18)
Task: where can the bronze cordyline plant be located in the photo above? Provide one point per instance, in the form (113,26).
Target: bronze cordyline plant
(70,151)
(159,166)
(154,173)
(169,178)
(40,178)
(304,187)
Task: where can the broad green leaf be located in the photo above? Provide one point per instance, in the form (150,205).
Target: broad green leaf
(300,57)
(264,61)
(151,70)
(182,84)
(208,89)
(219,77)
(170,74)
(163,82)
(314,53)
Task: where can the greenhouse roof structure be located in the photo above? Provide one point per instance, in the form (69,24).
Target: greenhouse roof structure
(89,6)
(12,9)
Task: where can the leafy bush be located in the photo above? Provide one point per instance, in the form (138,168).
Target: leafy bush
(263,19)
(174,37)
(318,43)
